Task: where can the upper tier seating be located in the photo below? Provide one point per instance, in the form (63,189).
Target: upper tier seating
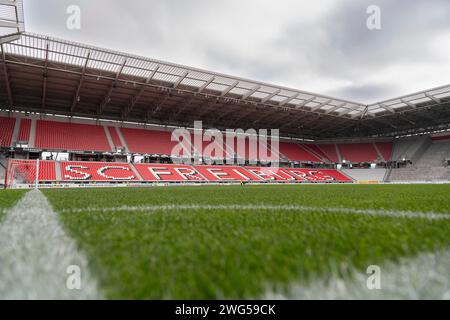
(318,151)
(439,138)
(296,152)
(330,151)
(252,150)
(385,149)
(148,141)
(24,131)
(358,152)
(70,136)
(115,137)
(55,135)
(6,131)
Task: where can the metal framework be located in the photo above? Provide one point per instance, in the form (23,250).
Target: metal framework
(47,75)
(11,20)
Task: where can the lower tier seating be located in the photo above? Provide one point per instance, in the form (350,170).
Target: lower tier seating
(97,171)
(25,172)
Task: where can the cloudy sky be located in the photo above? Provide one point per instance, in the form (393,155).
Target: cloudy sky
(320,46)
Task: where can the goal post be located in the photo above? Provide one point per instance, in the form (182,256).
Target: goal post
(22,174)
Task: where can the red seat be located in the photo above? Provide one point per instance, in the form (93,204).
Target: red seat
(115,137)
(24,131)
(330,151)
(70,136)
(97,171)
(318,151)
(148,141)
(358,152)
(168,172)
(385,149)
(296,152)
(6,131)
(24,171)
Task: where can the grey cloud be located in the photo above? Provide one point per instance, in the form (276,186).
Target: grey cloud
(331,53)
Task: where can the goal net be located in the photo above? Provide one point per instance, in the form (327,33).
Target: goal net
(22,173)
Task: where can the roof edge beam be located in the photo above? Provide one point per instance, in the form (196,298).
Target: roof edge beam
(180,79)
(287,100)
(432,98)
(250,93)
(206,84)
(342,105)
(321,105)
(227,90)
(270,96)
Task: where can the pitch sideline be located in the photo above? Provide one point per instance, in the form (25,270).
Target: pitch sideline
(35,254)
(263,207)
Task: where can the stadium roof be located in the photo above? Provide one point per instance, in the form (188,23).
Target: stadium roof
(47,75)
(11,20)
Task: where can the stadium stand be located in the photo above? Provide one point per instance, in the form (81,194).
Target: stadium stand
(411,148)
(321,175)
(225,173)
(314,149)
(440,137)
(24,171)
(430,165)
(148,141)
(24,131)
(115,137)
(97,171)
(2,171)
(54,135)
(426,155)
(358,152)
(385,149)
(297,152)
(6,131)
(330,151)
(172,173)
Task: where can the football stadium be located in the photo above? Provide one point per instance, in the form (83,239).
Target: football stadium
(127,177)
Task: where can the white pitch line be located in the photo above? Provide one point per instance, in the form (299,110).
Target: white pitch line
(426,276)
(35,254)
(250,207)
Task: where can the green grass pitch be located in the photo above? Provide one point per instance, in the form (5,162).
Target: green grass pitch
(8,198)
(208,254)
